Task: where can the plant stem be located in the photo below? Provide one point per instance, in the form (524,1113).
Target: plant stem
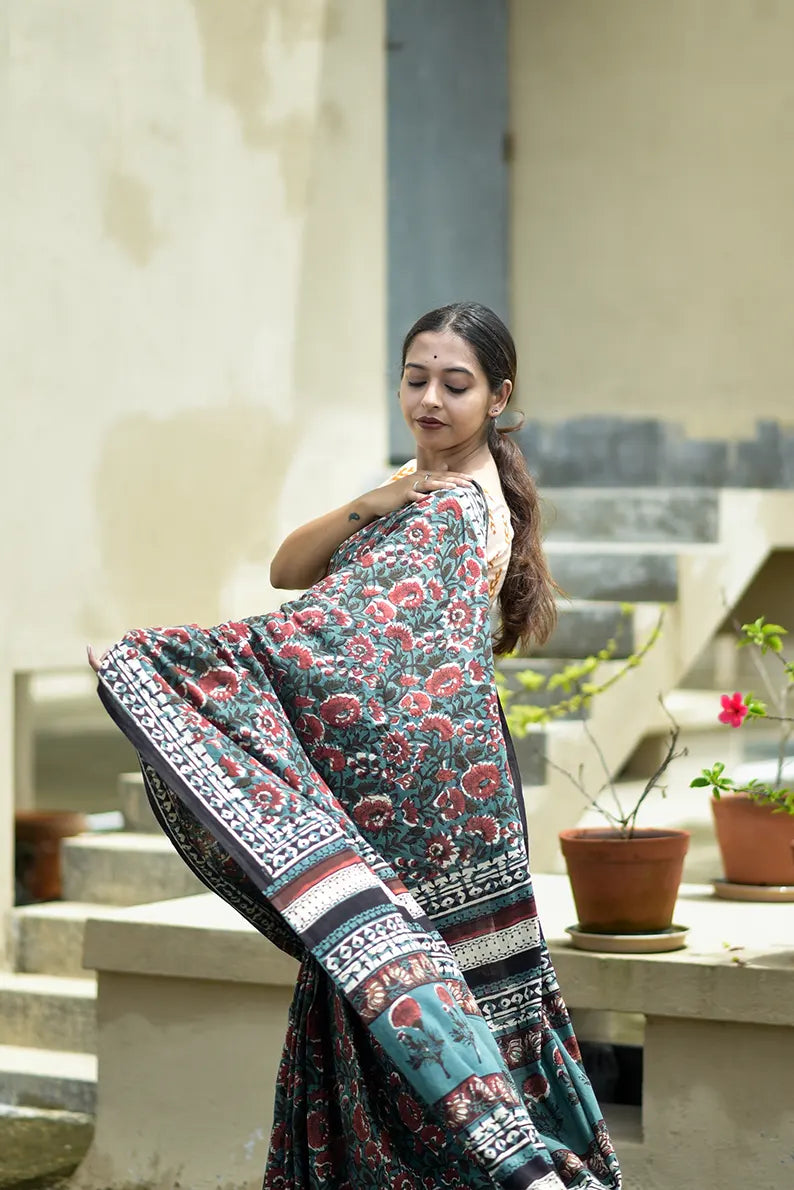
(610,784)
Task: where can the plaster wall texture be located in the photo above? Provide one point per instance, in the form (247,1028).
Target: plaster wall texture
(652,211)
(193,244)
(191,1062)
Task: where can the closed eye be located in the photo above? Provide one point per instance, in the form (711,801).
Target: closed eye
(420,383)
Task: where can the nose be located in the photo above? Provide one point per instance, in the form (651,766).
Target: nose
(430,397)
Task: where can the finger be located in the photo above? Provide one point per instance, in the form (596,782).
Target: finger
(92,661)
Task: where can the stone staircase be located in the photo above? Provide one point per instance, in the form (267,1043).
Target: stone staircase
(692,552)
(48,1001)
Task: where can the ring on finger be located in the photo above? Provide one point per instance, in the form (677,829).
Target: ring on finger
(413,485)
(427,476)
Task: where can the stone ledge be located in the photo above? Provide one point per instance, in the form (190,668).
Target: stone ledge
(196,937)
(203,938)
(704,981)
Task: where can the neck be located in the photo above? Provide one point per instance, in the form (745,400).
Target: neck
(466,457)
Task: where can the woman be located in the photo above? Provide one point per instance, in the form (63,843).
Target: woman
(340,772)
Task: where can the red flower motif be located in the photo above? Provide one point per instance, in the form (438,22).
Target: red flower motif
(470,572)
(536,1086)
(292,777)
(405,1013)
(459,614)
(380,611)
(733,710)
(341,710)
(410,812)
(401,634)
(408,593)
(449,504)
(418,533)
(361,1123)
(396,748)
(311,726)
(439,849)
(334,756)
(376,711)
(476,670)
(483,825)
(374,813)
(446,681)
(281,631)
(440,724)
(317,1130)
(310,617)
(360,648)
(451,803)
(220,684)
(482,781)
(231,766)
(302,655)
(415,703)
(572,1046)
(435,588)
(409,1112)
(445,996)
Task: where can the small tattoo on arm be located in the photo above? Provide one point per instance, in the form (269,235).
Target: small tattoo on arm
(354,517)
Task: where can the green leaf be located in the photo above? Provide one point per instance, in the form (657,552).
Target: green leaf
(774,629)
(699,783)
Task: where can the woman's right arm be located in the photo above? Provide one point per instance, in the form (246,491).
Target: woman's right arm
(302,558)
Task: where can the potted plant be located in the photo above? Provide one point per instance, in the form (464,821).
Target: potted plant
(754,819)
(624,878)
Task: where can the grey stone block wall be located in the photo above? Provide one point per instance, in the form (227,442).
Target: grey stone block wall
(647,452)
(643,452)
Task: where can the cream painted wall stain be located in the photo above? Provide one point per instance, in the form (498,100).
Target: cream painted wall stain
(183,500)
(127,216)
(235,40)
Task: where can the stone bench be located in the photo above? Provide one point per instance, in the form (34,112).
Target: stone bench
(192,1012)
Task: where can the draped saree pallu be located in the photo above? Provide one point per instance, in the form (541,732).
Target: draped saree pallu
(339,772)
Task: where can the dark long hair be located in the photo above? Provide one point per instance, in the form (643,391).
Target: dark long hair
(527,606)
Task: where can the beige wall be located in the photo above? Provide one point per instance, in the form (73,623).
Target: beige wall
(653,209)
(192,244)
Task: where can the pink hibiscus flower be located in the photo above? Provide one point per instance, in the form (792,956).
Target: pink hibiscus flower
(733,710)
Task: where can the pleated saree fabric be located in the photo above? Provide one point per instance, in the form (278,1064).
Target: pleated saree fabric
(338,772)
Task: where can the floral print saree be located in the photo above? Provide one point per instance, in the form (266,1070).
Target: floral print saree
(339,771)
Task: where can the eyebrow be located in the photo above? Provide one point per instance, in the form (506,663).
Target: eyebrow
(455,369)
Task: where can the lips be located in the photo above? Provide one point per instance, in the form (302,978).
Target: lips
(429,421)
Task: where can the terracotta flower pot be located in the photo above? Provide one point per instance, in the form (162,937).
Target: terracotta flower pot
(37,835)
(624,886)
(754,842)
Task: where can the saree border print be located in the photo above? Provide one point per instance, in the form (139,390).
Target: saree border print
(337,770)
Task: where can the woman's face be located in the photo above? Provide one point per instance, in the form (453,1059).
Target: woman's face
(444,394)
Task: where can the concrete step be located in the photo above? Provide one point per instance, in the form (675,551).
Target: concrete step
(584,627)
(631,514)
(134,804)
(124,869)
(48,938)
(48,1011)
(622,572)
(41,1147)
(49,1079)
